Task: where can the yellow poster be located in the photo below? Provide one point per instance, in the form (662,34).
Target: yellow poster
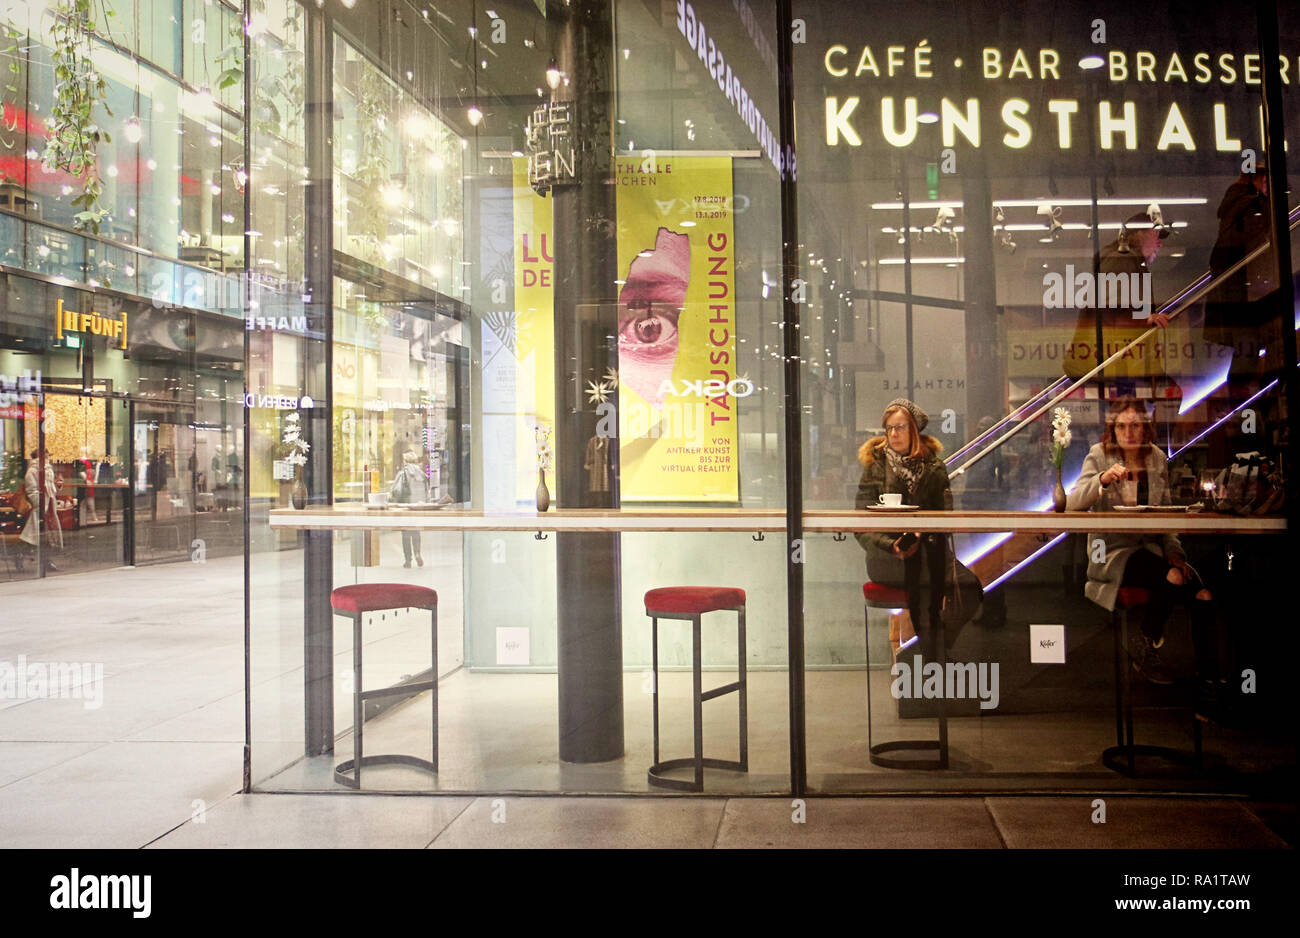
(534,252)
(678,387)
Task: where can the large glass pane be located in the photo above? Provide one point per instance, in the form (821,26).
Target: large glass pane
(503,335)
(1031,200)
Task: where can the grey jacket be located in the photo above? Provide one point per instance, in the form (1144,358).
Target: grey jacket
(1088,493)
(416,485)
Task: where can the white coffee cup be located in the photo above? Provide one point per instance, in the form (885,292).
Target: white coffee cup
(379,499)
(891,499)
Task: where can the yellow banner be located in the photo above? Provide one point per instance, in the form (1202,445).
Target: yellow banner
(534,327)
(678,387)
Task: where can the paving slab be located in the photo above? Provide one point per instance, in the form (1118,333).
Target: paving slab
(601,823)
(1130,824)
(873,823)
(318,821)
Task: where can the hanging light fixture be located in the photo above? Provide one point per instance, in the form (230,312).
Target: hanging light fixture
(475,115)
(553,75)
(131,130)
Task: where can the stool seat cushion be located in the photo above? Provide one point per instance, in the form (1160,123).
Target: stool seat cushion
(371,597)
(693,600)
(1130,596)
(877,594)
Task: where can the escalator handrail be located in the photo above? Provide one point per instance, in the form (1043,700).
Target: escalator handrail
(1172,308)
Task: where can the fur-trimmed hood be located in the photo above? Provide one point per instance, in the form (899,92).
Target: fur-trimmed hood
(874,448)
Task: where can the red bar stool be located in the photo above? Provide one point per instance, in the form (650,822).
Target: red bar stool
(878,596)
(354,602)
(1122,756)
(691,602)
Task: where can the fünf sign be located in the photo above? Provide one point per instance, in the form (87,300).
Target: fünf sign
(69,320)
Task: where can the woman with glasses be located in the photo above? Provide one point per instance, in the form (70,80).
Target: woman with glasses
(906,462)
(1126,470)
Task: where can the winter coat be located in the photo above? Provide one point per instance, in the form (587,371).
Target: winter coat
(410,485)
(1104,578)
(1118,327)
(932,490)
(31,532)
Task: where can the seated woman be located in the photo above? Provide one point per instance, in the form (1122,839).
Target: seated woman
(906,461)
(1126,469)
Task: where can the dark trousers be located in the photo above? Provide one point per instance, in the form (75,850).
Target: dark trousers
(410,542)
(1149,571)
(924,594)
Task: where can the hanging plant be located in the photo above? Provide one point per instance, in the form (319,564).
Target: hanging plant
(74,135)
(372,164)
(13,54)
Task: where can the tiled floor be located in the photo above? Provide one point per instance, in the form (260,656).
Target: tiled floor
(159,762)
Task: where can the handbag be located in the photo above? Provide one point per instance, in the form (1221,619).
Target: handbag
(19,501)
(962,595)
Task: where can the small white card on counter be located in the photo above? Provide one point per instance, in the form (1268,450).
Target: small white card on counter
(512,646)
(1047,644)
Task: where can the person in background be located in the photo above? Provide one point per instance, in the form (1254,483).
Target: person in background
(1125,469)
(1133,252)
(36,520)
(906,461)
(1243,225)
(410,486)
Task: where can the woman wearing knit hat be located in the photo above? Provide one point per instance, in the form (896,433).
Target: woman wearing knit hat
(906,461)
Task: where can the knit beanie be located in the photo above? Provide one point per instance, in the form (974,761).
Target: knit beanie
(918,415)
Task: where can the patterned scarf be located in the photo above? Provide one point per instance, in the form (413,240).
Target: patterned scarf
(908,468)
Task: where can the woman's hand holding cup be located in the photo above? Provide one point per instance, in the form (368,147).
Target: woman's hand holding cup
(1116,473)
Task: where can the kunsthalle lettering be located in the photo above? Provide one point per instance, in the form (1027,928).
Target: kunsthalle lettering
(61,680)
(105,891)
(955,680)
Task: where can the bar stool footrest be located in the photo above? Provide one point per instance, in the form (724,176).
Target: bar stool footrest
(667,765)
(341,770)
(940,761)
(719,691)
(394,690)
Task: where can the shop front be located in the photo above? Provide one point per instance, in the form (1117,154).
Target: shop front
(575,328)
(130,411)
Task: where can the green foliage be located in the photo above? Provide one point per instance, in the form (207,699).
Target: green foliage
(372,162)
(13,56)
(74,134)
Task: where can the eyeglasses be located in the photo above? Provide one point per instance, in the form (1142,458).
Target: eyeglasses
(897,428)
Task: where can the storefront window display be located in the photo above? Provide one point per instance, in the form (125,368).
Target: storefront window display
(549,273)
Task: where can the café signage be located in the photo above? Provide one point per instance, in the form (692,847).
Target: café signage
(92,323)
(1013,121)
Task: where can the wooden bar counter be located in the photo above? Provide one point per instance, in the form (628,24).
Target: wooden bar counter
(356,517)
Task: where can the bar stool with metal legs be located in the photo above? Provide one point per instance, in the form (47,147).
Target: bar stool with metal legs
(878,596)
(1122,756)
(354,602)
(691,602)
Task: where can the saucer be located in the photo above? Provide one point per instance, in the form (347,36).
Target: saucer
(893,508)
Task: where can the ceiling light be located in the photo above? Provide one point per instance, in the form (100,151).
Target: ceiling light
(1091,61)
(475,115)
(132,130)
(553,75)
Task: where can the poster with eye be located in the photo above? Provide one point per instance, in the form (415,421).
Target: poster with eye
(529,332)
(677,381)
